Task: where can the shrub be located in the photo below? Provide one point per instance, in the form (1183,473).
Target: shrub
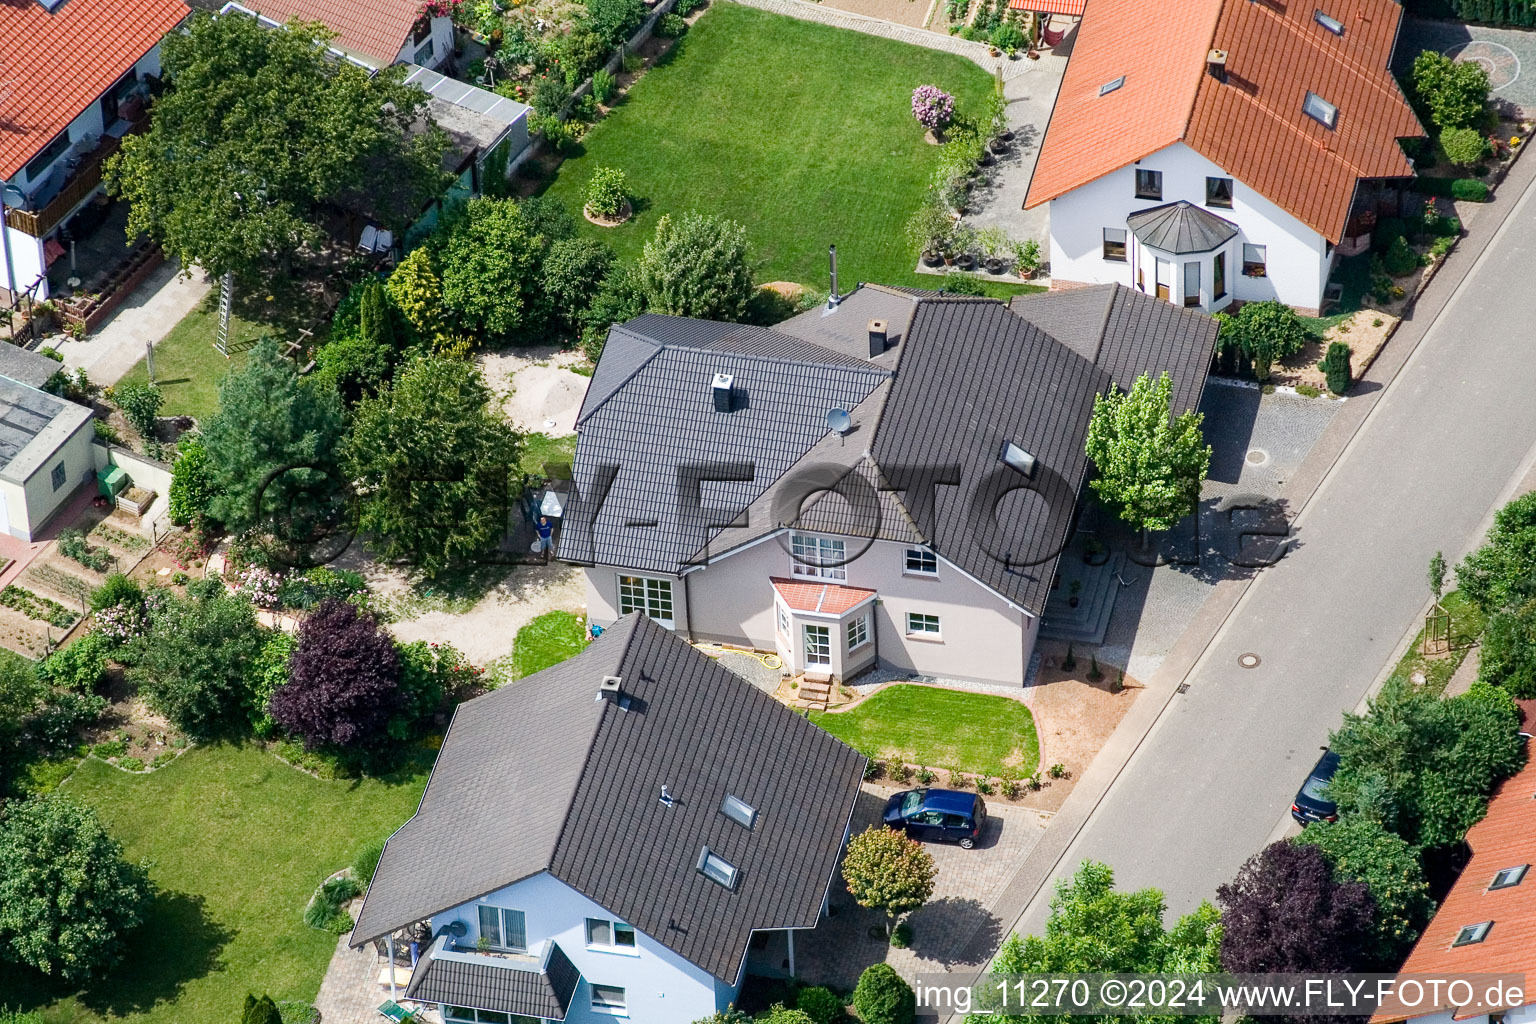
(901,771)
(574,272)
(925,776)
(958,282)
(268,674)
(294,1011)
(72,544)
(1285,911)
(697,266)
(343,680)
(490,269)
(1441,247)
(671,26)
(366,862)
(933,107)
(882,997)
(324,910)
(820,1004)
(615,20)
(192,486)
(550,95)
(1463,146)
(607,192)
(1400,258)
(1454,92)
(78,666)
(140,403)
(1509,650)
(260,1011)
(1360,850)
(1307,391)
(194,664)
(1008,37)
(1387,230)
(1469,190)
(1336,367)
(603,85)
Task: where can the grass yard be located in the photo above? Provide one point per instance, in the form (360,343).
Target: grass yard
(927,725)
(236,841)
(1466,627)
(187,366)
(801,132)
(547,640)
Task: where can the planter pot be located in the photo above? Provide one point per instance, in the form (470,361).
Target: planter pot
(965,261)
(932,258)
(986,159)
(1006,136)
(949,259)
(609,222)
(1028,272)
(1096,558)
(933,138)
(1072,602)
(1033,55)
(994,266)
(994,51)
(997,145)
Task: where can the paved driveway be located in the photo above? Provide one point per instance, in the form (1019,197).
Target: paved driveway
(1508,54)
(1031,93)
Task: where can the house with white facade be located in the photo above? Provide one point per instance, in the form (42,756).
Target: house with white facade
(609,837)
(373,33)
(1485,930)
(888,481)
(1223,151)
(75,77)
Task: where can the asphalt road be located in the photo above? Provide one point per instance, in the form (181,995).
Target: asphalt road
(1443,445)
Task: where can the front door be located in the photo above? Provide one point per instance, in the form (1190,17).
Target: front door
(818,647)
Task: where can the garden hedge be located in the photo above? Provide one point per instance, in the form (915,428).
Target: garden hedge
(1519,13)
(1467,189)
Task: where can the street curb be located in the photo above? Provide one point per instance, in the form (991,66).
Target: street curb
(1022,890)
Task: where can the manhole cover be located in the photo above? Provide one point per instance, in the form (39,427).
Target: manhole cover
(1257,456)
(1249,660)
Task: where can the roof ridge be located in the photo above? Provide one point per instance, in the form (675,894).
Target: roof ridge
(844,362)
(620,385)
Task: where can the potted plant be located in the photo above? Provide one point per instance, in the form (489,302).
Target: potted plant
(956,193)
(994,247)
(1009,38)
(1026,255)
(965,247)
(1095,552)
(998,132)
(927,231)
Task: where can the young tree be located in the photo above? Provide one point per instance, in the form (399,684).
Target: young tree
(375,318)
(353,366)
(433,458)
(1149,467)
(883,997)
(1336,367)
(698,266)
(1285,913)
(1437,574)
(489,265)
(1502,572)
(258,131)
(67,896)
(1264,332)
(1423,766)
(1508,654)
(1360,850)
(418,293)
(343,680)
(1453,92)
(194,664)
(192,488)
(885,869)
(273,445)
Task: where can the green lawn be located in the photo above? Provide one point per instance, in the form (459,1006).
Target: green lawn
(547,640)
(1466,627)
(926,725)
(801,132)
(187,366)
(236,841)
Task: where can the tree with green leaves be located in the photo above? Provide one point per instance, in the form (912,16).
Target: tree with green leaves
(417,293)
(1093,928)
(574,272)
(260,1011)
(272,447)
(1436,574)
(140,403)
(490,272)
(1264,332)
(257,132)
(68,899)
(1423,766)
(1336,367)
(433,461)
(1150,467)
(375,318)
(697,265)
(194,666)
(1508,654)
(1502,573)
(885,869)
(1361,850)
(1453,92)
(192,488)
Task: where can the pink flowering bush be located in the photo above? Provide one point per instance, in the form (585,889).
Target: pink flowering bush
(121,623)
(439,8)
(259,586)
(933,107)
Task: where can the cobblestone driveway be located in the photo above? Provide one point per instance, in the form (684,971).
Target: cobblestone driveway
(1508,54)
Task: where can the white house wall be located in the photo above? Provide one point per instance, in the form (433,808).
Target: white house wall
(442,46)
(982,637)
(660,987)
(1298,257)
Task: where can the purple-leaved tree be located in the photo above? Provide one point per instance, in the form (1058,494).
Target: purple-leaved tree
(343,680)
(1285,912)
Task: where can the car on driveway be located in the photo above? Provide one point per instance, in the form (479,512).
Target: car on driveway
(1312,803)
(938,815)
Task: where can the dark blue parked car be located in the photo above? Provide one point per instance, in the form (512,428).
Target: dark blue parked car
(945,815)
(1311,802)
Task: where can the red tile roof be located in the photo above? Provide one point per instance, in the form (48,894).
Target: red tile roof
(1252,125)
(1071,8)
(1505,838)
(827,598)
(368,28)
(54,66)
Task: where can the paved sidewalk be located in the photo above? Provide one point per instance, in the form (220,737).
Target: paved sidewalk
(146,316)
(1000,203)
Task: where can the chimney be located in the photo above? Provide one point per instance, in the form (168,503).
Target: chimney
(723,389)
(877,337)
(832,297)
(610,689)
(1216,64)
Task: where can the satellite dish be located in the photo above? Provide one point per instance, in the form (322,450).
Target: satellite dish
(838,420)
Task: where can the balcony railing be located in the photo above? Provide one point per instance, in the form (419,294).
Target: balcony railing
(81,184)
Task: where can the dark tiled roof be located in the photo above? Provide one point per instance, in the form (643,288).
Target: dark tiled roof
(975,377)
(27,367)
(1179,228)
(692,726)
(846,328)
(501,989)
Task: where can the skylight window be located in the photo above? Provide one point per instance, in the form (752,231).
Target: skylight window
(717,869)
(1109,87)
(739,811)
(1320,110)
(1472,933)
(1333,25)
(1508,877)
(1017,458)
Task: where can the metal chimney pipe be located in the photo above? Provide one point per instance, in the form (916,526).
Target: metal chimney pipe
(833,298)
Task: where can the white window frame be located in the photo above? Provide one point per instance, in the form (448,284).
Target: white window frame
(481,1016)
(823,644)
(502,929)
(859,625)
(613,945)
(650,595)
(810,556)
(1262,252)
(783,620)
(924,557)
(726,874)
(617,1007)
(917,626)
